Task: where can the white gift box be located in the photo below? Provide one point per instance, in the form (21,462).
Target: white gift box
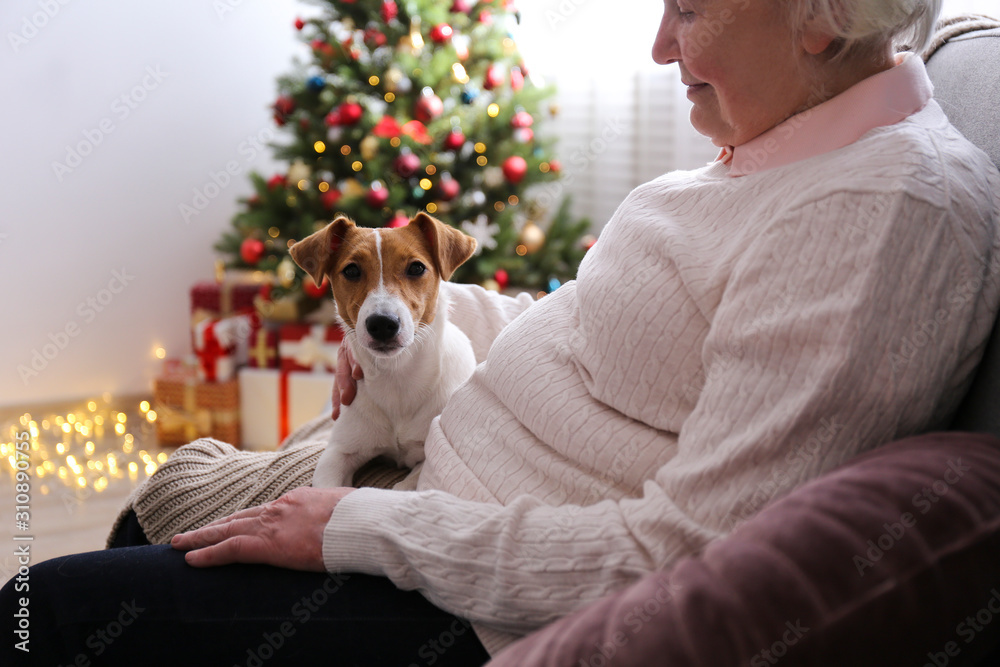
(268,411)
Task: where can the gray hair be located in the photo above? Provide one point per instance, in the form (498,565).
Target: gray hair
(871,24)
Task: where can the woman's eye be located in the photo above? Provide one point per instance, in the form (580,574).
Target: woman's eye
(416,269)
(351,272)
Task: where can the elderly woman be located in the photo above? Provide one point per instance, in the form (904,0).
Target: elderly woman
(824,287)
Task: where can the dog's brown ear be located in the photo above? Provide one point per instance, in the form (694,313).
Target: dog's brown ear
(316,253)
(449,246)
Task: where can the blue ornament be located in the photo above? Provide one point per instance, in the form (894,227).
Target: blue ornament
(554,284)
(315,84)
(469,94)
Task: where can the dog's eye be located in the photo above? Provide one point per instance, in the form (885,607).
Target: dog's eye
(415,269)
(351,272)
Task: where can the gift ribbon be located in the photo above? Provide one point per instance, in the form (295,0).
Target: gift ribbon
(263,351)
(196,421)
(311,352)
(209,352)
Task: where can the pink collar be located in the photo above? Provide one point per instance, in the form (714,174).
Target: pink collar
(883,99)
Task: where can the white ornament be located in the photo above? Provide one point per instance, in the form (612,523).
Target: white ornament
(483,231)
(493,177)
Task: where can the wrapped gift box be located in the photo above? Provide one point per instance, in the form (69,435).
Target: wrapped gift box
(216,300)
(309,347)
(222,345)
(188,408)
(273,403)
(263,346)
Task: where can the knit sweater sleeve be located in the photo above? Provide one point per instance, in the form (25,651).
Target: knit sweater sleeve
(481,314)
(814,354)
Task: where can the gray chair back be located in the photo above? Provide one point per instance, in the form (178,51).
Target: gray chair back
(966,76)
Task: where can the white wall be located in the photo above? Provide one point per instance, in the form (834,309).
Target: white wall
(196,83)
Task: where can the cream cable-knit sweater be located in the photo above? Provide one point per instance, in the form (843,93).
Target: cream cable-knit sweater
(726,340)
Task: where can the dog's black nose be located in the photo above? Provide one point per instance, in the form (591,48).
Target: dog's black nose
(382,327)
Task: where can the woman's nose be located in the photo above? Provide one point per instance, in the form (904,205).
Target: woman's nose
(666,50)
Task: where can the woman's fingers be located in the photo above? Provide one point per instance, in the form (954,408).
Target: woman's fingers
(345,386)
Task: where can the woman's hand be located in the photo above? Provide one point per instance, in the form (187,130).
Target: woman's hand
(345,386)
(287,532)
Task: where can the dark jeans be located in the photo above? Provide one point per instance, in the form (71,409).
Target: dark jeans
(144,605)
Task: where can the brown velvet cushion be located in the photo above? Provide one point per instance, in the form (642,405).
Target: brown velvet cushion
(894,559)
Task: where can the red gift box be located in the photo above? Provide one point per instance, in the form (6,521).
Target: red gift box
(222,299)
(221,345)
(263,347)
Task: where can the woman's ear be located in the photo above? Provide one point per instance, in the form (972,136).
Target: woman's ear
(816,39)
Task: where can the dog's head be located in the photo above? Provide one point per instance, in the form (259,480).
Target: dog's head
(384,281)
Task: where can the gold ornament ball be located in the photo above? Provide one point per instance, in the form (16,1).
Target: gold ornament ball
(352,188)
(532,237)
(298,171)
(369,147)
(286,272)
(392,77)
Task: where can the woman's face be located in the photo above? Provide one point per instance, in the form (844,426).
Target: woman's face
(743,66)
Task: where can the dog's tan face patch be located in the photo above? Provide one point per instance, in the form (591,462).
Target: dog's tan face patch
(397,261)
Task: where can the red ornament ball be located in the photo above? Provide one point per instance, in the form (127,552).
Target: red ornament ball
(502,278)
(521,119)
(555,166)
(284,105)
(377,196)
(428,108)
(251,250)
(330,198)
(441,33)
(350,113)
(389,10)
(460,7)
(448,188)
(398,220)
(299,24)
(516,78)
(374,38)
(514,168)
(406,165)
(315,291)
(494,78)
(454,140)
(276,181)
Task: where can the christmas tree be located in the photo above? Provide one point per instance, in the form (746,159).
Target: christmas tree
(408,107)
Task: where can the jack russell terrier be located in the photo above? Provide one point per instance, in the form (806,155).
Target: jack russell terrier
(385,286)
